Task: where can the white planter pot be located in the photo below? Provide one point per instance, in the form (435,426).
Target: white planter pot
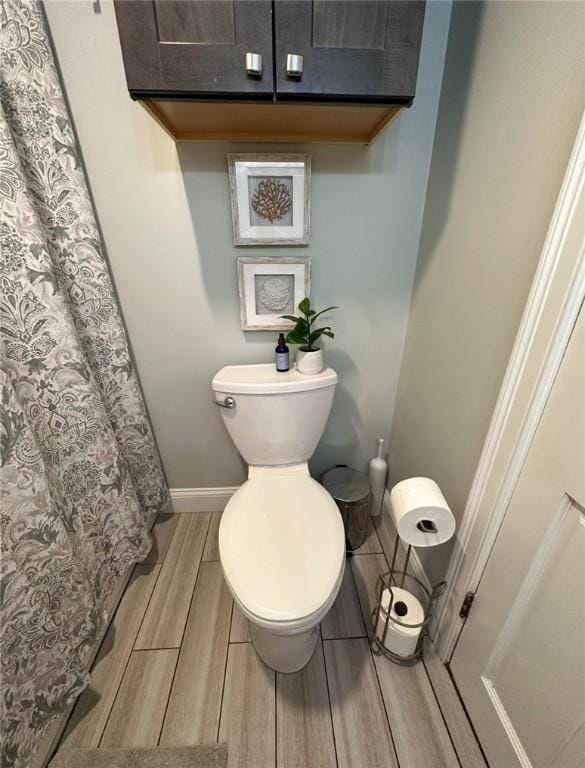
(309,363)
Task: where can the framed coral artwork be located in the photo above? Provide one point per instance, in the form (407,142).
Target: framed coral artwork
(270,197)
(271,287)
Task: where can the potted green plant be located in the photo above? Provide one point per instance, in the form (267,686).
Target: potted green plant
(309,357)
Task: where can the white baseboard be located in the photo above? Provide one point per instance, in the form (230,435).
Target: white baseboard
(201,499)
(415,561)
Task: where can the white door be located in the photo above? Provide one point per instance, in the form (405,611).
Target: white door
(520,660)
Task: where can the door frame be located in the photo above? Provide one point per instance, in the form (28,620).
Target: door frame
(555,298)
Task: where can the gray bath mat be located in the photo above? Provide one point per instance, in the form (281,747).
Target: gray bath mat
(205,756)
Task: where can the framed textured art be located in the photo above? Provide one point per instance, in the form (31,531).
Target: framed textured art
(270,197)
(271,287)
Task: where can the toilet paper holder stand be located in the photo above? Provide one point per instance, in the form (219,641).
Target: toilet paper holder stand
(381,619)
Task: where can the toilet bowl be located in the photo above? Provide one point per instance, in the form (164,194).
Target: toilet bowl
(281,537)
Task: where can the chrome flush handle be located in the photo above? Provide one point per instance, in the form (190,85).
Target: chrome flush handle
(254,64)
(229,402)
(294,65)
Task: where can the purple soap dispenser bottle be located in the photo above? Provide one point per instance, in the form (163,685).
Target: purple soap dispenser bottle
(282,356)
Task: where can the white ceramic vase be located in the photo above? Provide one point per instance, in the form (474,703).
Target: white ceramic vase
(309,363)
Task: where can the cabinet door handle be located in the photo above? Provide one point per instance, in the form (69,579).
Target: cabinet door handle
(294,65)
(254,64)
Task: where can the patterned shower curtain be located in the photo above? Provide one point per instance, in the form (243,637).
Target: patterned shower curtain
(80,474)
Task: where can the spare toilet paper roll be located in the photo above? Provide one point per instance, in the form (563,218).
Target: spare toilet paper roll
(400,639)
(421,514)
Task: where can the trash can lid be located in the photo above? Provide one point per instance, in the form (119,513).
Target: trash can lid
(346,484)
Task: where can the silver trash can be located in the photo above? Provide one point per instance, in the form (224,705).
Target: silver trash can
(351,491)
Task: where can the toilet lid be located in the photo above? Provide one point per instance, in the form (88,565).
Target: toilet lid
(282,546)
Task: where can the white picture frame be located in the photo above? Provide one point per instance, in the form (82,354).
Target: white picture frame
(270,198)
(270,287)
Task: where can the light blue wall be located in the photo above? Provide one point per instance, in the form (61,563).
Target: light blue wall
(165,215)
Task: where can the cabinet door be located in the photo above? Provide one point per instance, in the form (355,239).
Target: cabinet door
(353,50)
(195,48)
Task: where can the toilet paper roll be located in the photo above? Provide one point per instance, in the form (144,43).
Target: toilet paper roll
(421,514)
(400,639)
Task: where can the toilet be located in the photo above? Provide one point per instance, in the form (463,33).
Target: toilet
(281,537)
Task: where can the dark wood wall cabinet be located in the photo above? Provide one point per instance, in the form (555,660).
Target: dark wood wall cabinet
(280,70)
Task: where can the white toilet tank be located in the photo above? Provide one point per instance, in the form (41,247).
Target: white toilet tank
(276,418)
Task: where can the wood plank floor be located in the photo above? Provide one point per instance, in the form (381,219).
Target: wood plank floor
(177,667)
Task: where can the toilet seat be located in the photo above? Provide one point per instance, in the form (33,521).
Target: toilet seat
(282,549)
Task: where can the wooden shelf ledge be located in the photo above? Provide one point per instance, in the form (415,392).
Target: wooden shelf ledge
(271,123)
